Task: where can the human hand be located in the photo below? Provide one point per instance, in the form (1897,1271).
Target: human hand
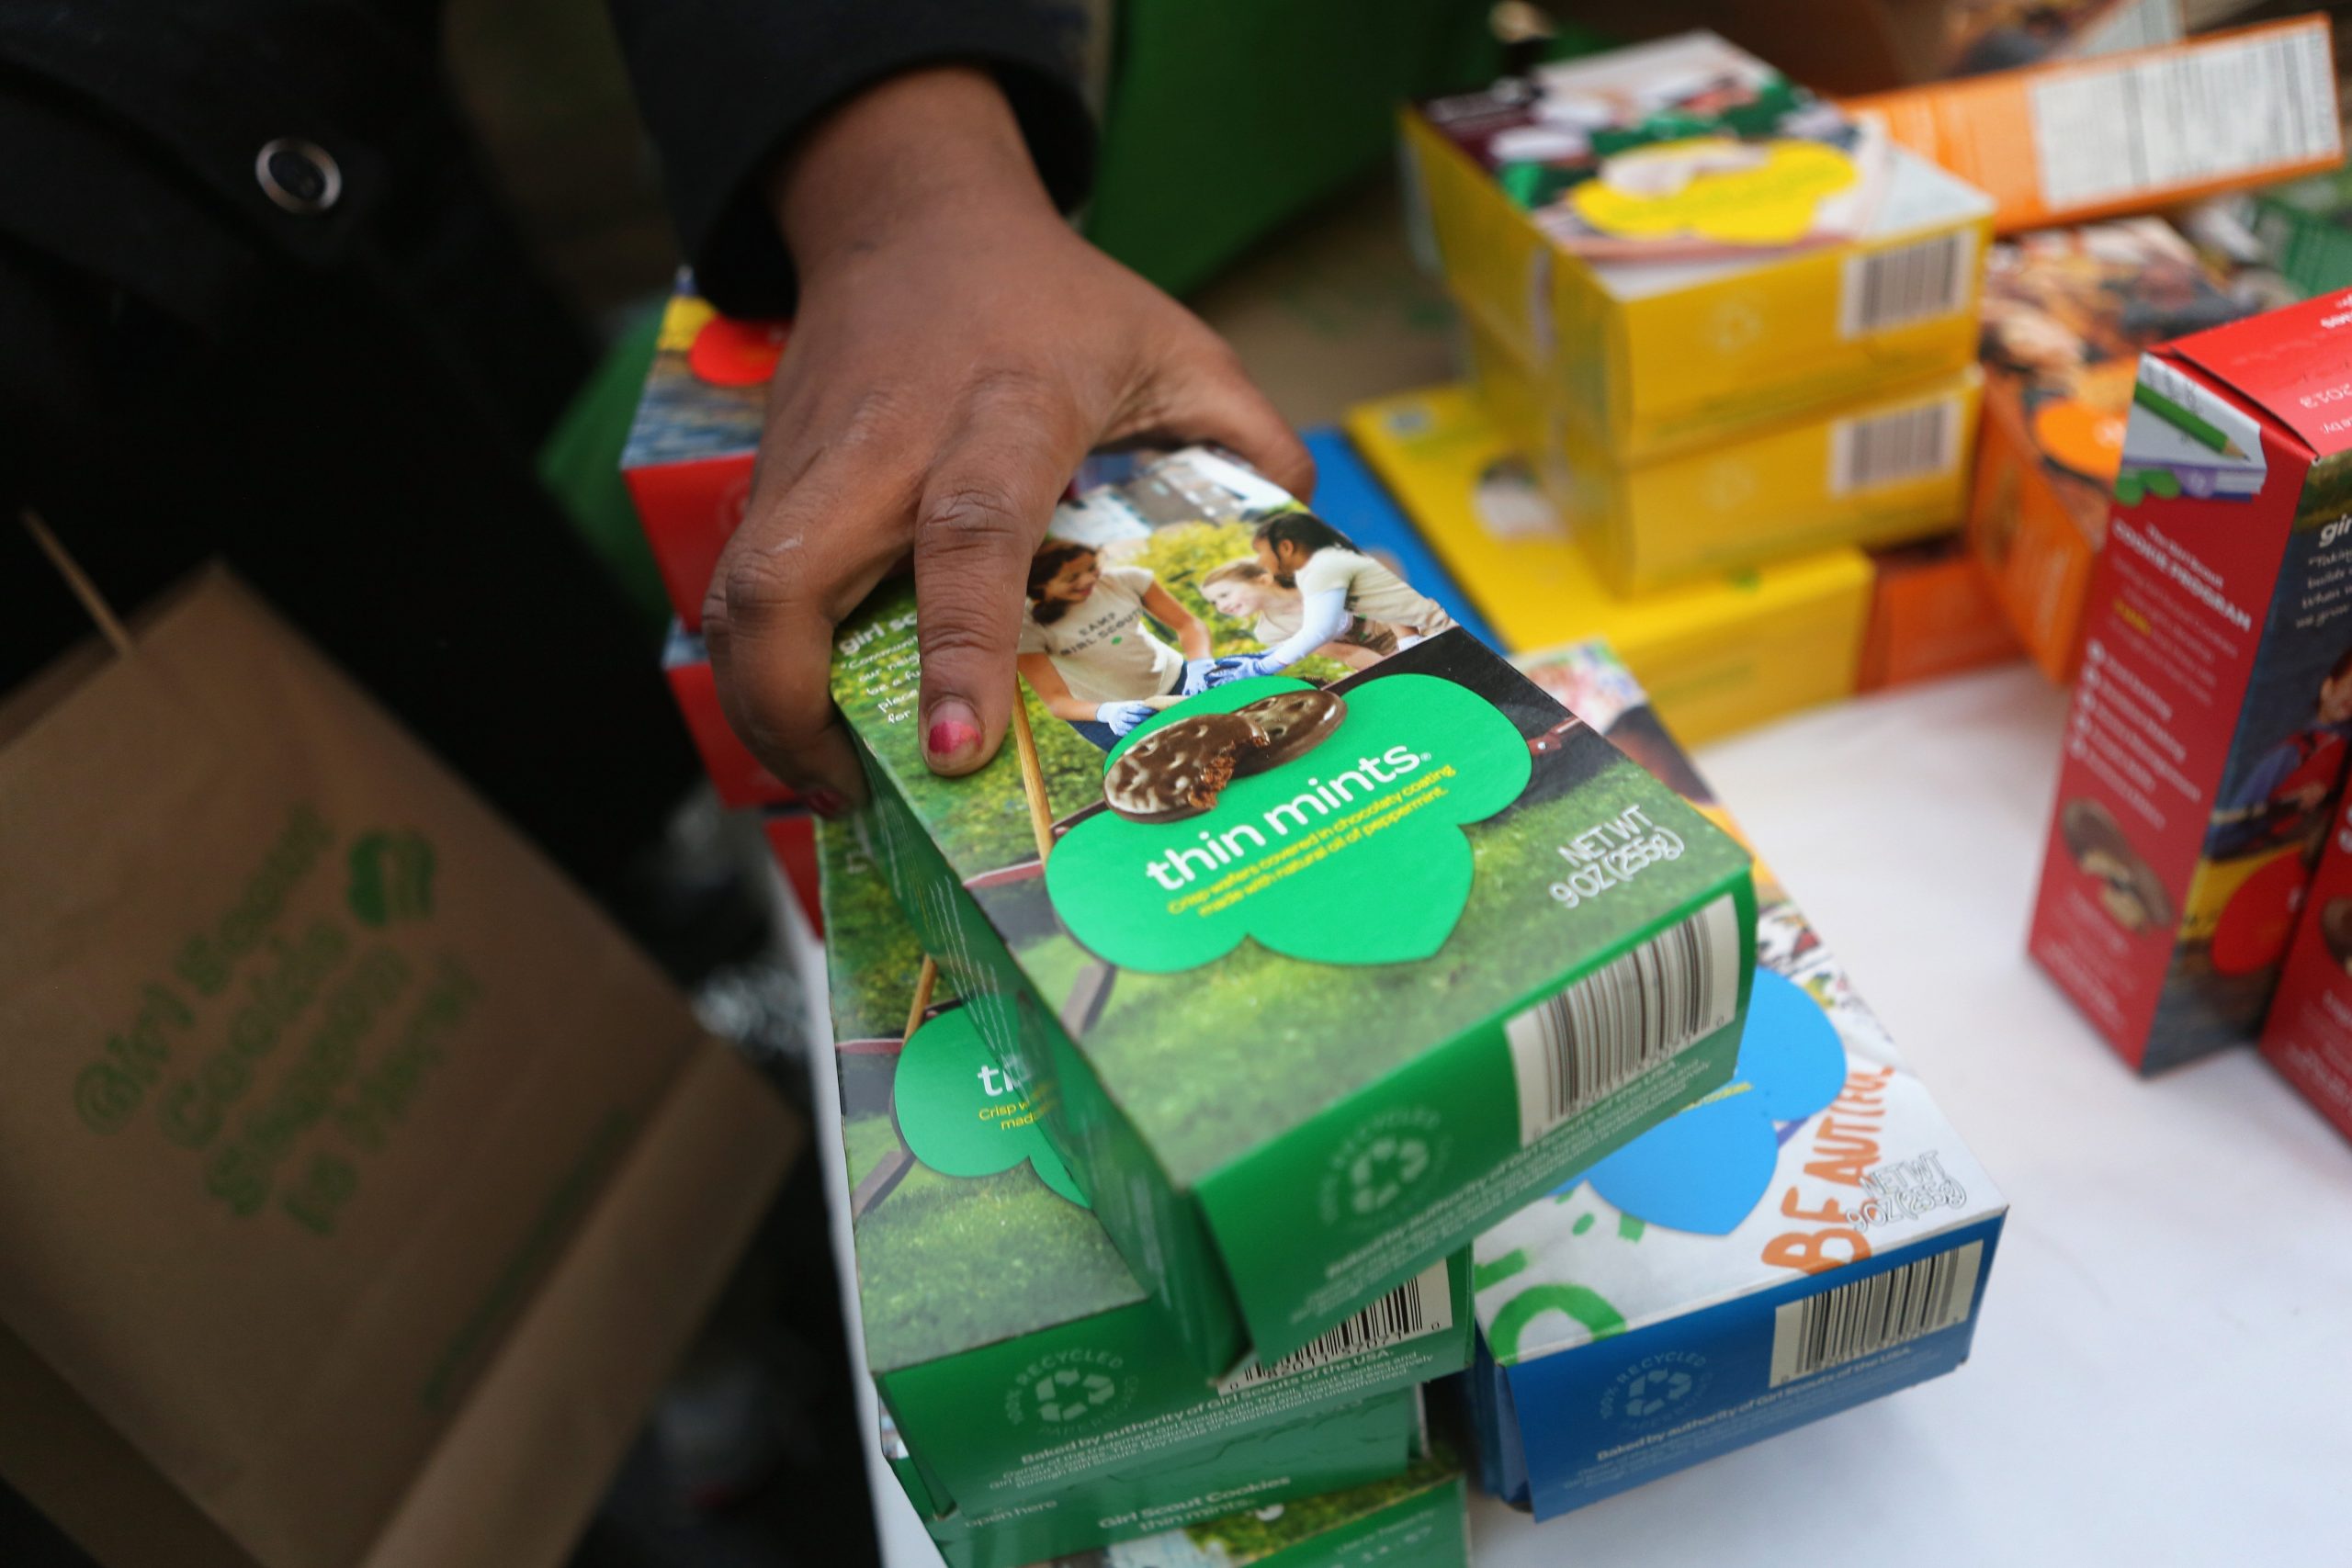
(1206,674)
(1124,716)
(956,351)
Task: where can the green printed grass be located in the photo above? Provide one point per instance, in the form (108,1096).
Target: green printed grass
(945,1264)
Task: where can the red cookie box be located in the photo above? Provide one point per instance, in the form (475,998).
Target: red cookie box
(734,772)
(2208,737)
(792,839)
(2309,1036)
(688,458)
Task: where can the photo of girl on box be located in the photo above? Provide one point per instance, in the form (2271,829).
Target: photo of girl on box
(1245,590)
(2287,793)
(1335,581)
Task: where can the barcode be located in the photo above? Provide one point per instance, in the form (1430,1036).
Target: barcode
(2213,111)
(1873,1315)
(1904,284)
(1422,1304)
(1571,1051)
(1893,448)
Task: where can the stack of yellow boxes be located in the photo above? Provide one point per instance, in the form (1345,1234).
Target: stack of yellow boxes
(1731,328)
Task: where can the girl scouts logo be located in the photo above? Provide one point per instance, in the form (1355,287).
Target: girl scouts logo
(391,878)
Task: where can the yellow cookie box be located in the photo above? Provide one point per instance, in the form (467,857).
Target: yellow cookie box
(1886,469)
(1652,357)
(1716,656)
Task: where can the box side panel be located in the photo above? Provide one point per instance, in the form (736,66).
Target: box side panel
(1628,1408)
(1380,1179)
(2179,604)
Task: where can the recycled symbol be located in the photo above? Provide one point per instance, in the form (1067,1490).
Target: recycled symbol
(1670,1386)
(1094,1391)
(1384,1170)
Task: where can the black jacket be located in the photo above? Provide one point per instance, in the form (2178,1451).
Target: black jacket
(258,299)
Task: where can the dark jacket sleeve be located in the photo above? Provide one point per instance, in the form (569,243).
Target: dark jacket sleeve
(725,85)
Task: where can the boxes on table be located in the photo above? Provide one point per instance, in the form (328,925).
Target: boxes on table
(1030,1378)
(1718,656)
(2208,735)
(688,458)
(1889,468)
(2308,1036)
(2305,230)
(2067,313)
(1814,1235)
(1419,1519)
(2070,142)
(1314,981)
(1932,613)
(1683,246)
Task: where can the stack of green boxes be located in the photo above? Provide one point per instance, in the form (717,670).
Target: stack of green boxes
(1181,1065)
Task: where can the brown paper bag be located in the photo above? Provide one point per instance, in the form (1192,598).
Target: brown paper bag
(358,1180)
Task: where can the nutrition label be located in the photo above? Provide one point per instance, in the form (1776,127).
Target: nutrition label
(2175,120)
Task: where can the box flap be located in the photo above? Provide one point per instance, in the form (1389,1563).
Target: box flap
(2293,365)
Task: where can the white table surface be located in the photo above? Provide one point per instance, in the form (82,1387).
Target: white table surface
(2164,1369)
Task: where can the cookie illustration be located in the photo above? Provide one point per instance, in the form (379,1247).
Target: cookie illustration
(2131,893)
(1178,770)
(2336,930)
(1294,722)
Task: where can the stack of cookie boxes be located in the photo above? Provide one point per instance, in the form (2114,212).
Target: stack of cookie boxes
(1726,323)
(1812,1235)
(1291,939)
(688,467)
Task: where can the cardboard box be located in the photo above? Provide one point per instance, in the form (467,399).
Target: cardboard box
(2067,313)
(1932,613)
(1788,261)
(2073,141)
(1868,46)
(1719,656)
(2308,1036)
(1019,1357)
(1888,468)
(735,774)
(2209,730)
(1812,1236)
(2305,227)
(688,458)
(1355,1446)
(1298,1030)
(1420,1519)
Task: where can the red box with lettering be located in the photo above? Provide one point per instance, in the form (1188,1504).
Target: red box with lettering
(734,772)
(2309,1036)
(2208,740)
(688,458)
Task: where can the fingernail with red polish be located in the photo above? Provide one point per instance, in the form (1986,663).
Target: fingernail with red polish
(954,731)
(826,803)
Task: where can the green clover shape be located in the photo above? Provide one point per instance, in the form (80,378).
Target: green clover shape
(959,1114)
(1349,854)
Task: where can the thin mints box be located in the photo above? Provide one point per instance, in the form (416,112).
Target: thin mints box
(1810,1236)
(1314,973)
(1030,1377)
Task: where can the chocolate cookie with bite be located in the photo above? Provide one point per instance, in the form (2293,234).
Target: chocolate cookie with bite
(1294,722)
(1179,769)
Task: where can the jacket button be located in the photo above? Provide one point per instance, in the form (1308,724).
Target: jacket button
(301,177)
